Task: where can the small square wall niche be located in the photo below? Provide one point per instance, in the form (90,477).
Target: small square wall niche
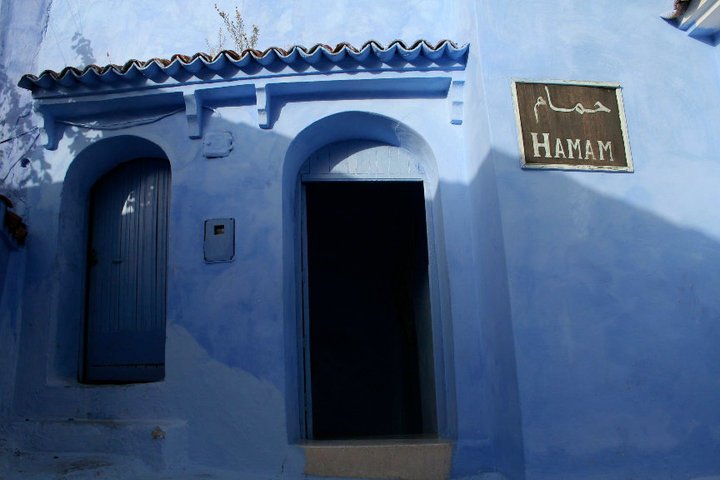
(219,240)
(217,144)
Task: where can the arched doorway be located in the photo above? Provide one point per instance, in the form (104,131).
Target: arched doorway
(126,274)
(67,365)
(367,326)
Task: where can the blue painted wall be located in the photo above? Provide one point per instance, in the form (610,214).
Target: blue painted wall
(580,311)
(614,310)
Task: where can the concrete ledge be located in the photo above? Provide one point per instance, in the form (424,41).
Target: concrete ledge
(396,459)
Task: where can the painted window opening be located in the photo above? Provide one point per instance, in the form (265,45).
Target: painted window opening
(126,274)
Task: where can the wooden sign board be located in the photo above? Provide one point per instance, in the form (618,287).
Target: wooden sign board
(572,126)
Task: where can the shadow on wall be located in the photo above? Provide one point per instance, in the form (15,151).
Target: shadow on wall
(485,348)
(19,136)
(614,327)
(19,133)
(68,216)
(18,123)
(221,403)
(83,48)
(236,416)
(616,324)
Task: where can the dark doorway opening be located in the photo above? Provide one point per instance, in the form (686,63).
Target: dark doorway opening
(368,313)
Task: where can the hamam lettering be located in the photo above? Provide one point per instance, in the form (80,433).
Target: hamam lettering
(572,149)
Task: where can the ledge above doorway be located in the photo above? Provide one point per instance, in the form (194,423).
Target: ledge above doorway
(113,97)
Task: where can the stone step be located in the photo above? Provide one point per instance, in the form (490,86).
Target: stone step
(157,443)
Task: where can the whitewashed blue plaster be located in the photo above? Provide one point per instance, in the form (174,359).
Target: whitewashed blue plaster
(578,319)
(609,273)
(20,31)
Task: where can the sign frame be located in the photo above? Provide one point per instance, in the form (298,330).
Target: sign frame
(568,166)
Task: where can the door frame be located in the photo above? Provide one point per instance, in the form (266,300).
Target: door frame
(165,166)
(433,287)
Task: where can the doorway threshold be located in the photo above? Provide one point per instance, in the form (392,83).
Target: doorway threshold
(405,459)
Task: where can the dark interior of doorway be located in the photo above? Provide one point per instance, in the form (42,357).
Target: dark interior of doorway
(371,366)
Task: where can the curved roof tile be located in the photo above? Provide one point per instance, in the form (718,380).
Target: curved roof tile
(159,69)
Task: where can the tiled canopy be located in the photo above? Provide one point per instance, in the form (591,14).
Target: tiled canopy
(228,64)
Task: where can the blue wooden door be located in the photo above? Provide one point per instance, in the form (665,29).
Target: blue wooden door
(127,258)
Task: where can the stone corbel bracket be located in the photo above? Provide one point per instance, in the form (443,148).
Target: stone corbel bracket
(457,101)
(193,112)
(263,106)
(47,126)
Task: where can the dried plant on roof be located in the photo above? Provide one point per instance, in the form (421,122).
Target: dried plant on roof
(679,8)
(235,28)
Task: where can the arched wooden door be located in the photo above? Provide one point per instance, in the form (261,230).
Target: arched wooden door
(127,263)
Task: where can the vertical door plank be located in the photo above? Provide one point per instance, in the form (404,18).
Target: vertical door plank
(126,280)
